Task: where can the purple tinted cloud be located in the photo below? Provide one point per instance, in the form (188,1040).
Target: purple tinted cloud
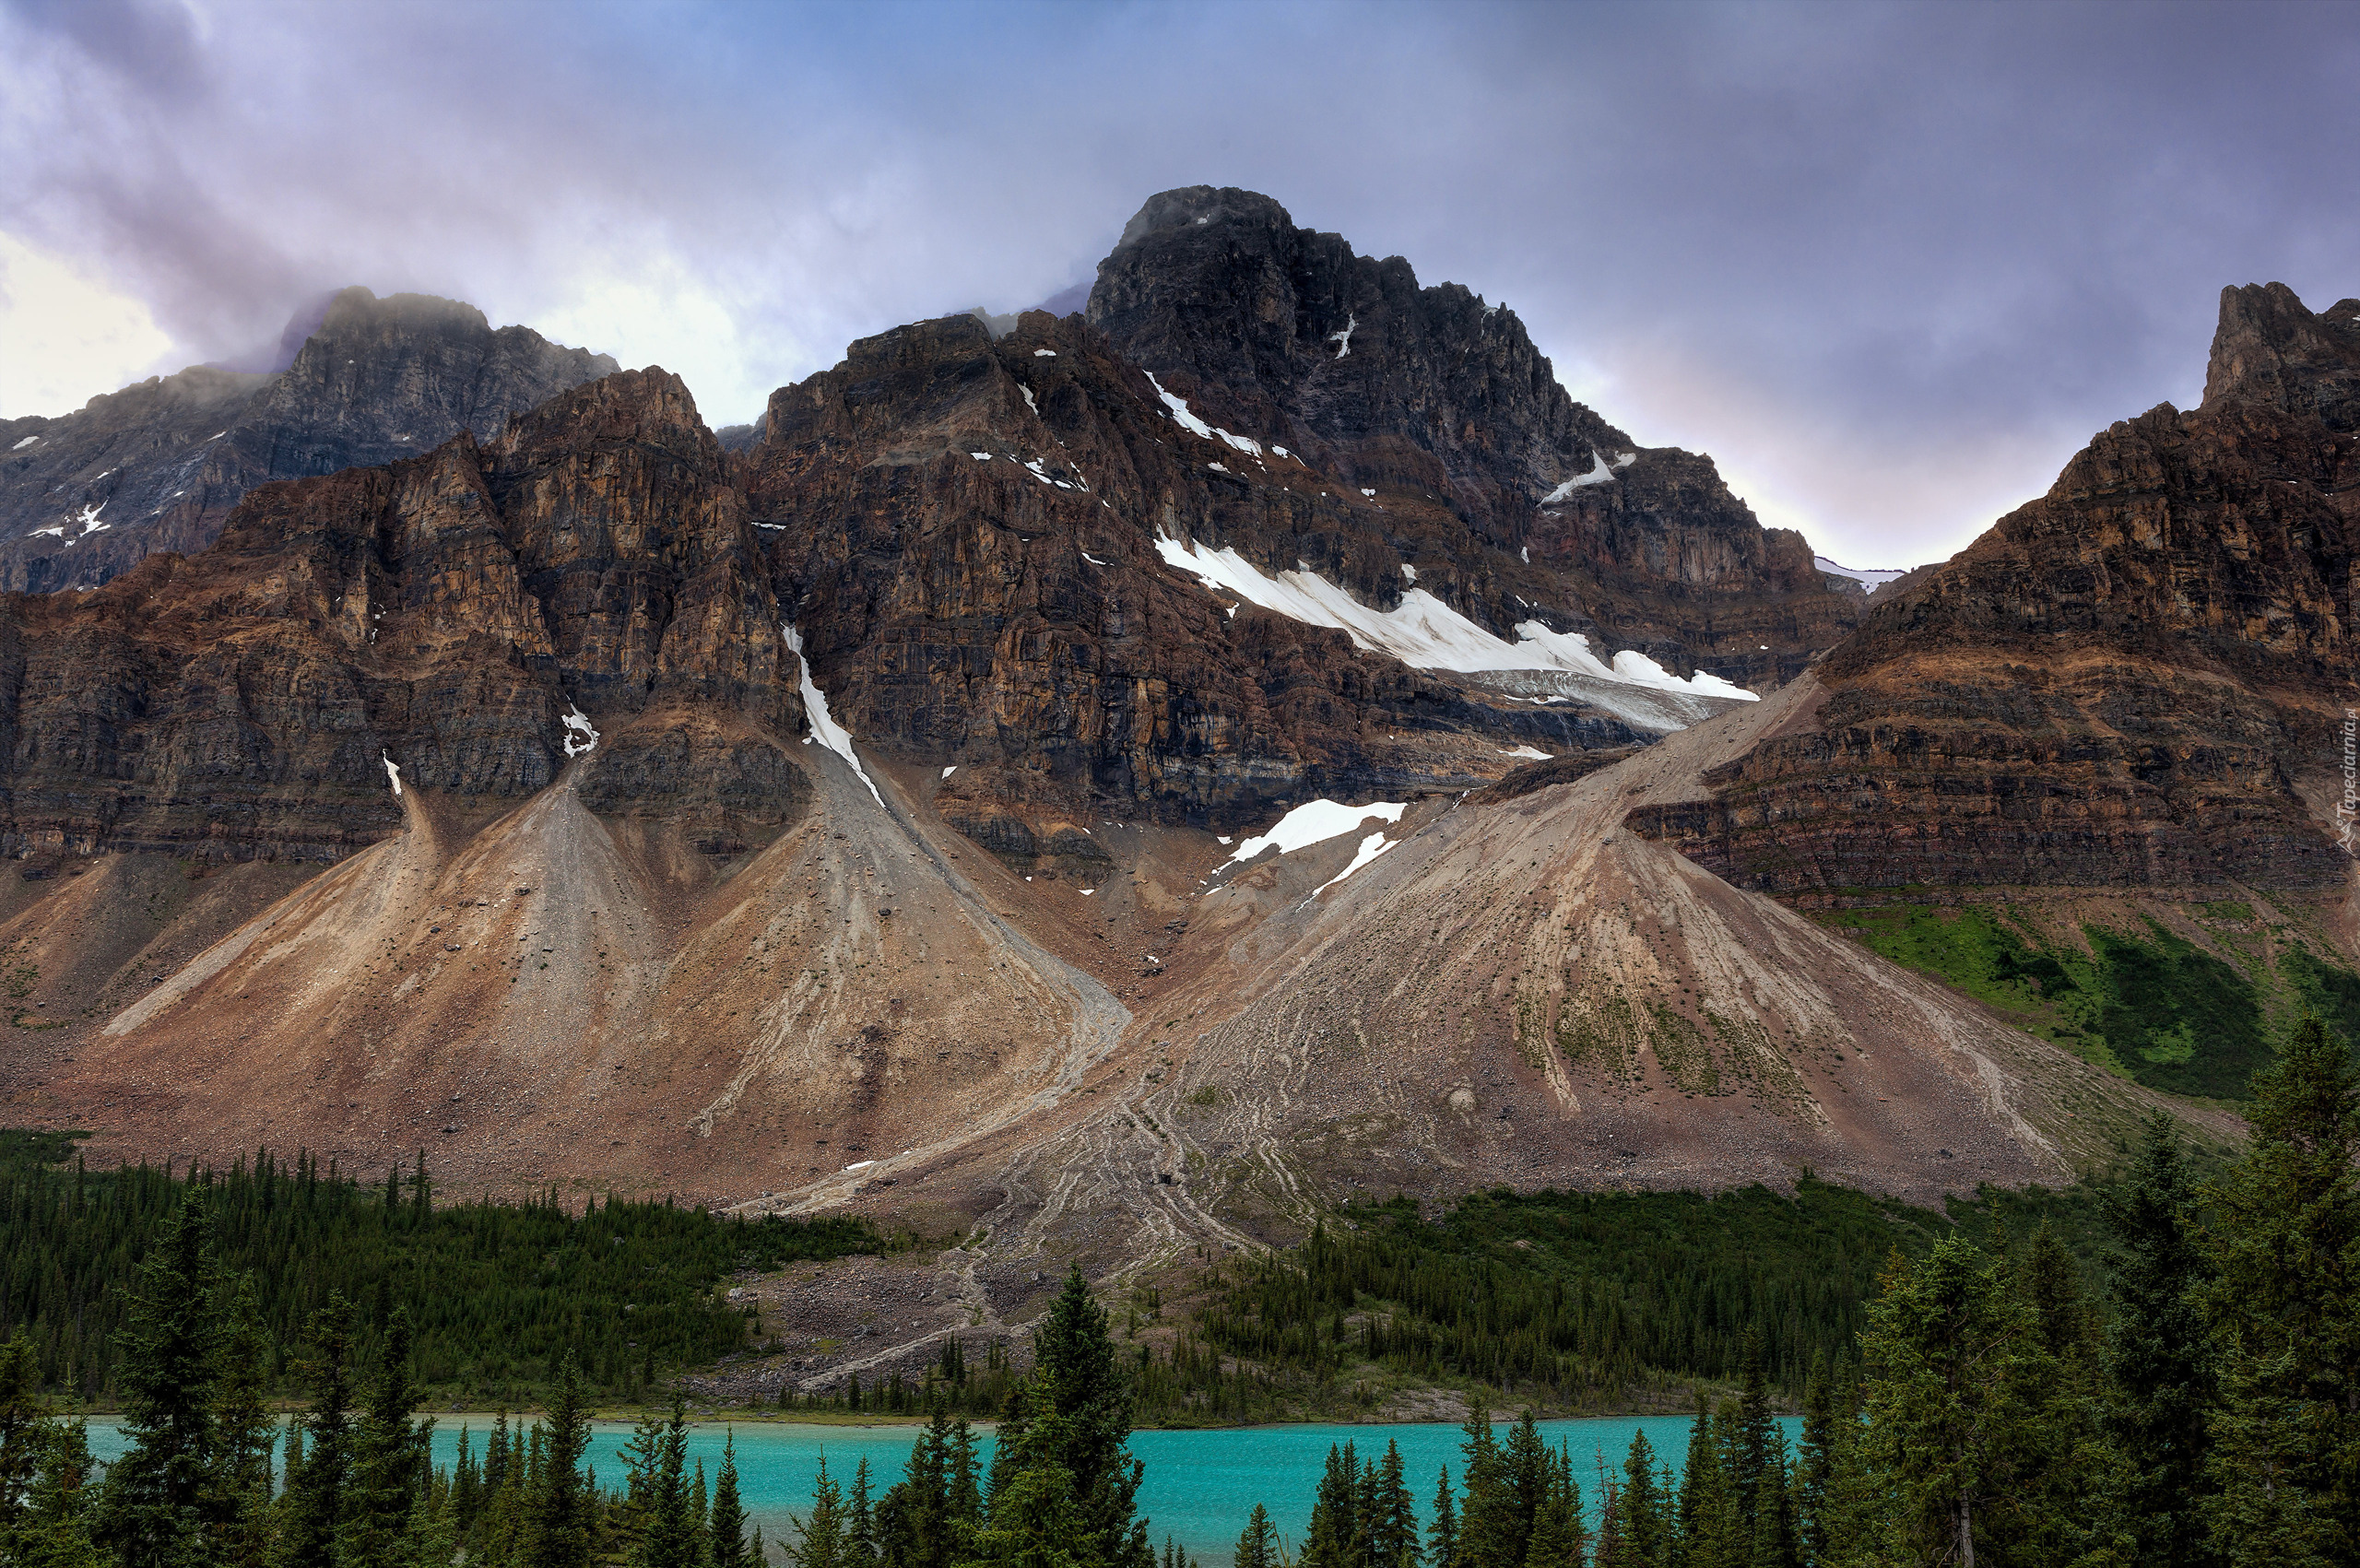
(1890,264)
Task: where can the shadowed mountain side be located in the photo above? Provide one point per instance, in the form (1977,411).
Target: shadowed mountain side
(966,532)
(442,617)
(160,466)
(1435,400)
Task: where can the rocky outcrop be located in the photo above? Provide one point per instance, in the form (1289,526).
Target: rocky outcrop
(443,616)
(160,465)
(965,530)
(1433,396)
(2137,680)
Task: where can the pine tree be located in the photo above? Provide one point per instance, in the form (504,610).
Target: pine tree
(1442,1536)
(315,1488)
(2159,1358)
(244,1435)
(560,1510)
(1074,1358)
(729,1526)
(162,1498)
(1257,1543)
(25,1430)
(387,1464)
(1492,1528)
(2284,1300)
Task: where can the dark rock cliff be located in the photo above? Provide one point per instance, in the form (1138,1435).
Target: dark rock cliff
(443,614)
(1285,334)
(160,466)
(2137,681)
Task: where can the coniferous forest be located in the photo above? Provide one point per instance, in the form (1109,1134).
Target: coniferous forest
(2197,1408)
(498,1295)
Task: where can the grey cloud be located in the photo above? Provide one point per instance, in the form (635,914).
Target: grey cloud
(1891,264)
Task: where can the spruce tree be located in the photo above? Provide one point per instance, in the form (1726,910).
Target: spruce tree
(560,1510)
(1393,1516)
(860,1521)
(667,1537)
(1645,1536)
(2159,1357)
(244,1435)
(823,1528)
(1257,1543)
(1555,1536)
(1815,1465)
(1442,1534)
(2285,1302)
(1074,1359)
(728,1525)
(1331,1539)
(162,1499)
(51,1527)
(388,1467)
(315,1498)
(1037,1520)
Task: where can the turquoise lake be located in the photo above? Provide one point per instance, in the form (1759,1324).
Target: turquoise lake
(1200,1485)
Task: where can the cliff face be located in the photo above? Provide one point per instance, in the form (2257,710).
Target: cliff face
(2137,681)
(441,616)
(161,465)
(1285,334)
(965,531)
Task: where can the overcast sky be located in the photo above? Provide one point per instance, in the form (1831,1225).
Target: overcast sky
(1889,264)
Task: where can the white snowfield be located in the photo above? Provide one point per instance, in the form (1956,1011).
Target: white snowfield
(1317,822)
(24,443)
(1425,632)
(392,770)
(1873,578)
(824,728)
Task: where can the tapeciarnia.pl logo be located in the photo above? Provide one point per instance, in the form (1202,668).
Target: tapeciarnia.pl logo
(2348,809)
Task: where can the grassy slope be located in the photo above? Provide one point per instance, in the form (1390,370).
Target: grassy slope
(2187,998)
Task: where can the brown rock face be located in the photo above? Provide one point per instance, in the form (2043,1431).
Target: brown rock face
(441,615)
(161,465)
(965,532)
(1285,334)
(2134,681)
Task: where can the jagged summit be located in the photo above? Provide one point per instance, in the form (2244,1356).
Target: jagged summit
(2269,349)
(160,466)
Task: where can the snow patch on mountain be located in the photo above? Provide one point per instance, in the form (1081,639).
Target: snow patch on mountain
(1315,822)
(824,728)
(1423,632)
(1873,579)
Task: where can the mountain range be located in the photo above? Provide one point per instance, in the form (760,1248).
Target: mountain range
(1103,786)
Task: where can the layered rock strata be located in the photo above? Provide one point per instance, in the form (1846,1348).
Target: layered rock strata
(2137,680)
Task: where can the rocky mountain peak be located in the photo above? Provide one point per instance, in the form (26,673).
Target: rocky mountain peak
(2269,349)
(160,465)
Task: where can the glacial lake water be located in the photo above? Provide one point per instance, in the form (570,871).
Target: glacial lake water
(1200,1485)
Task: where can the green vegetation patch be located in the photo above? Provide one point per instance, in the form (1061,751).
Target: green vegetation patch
(499,1293)
(2152,1006)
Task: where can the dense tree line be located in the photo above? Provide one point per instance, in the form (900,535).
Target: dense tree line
(203,1482)
(1574,1297)
(498,1295)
